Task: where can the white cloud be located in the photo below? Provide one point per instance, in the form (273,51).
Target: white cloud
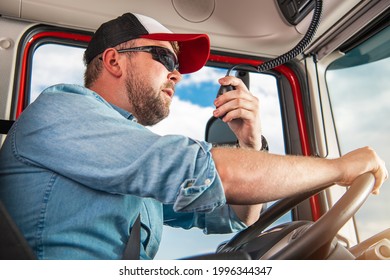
(205,75)
(54,64)
(189,119)
(186,119)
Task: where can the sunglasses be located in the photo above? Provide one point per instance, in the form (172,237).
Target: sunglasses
(163,55)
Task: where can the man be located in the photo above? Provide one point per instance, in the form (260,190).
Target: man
(79,166)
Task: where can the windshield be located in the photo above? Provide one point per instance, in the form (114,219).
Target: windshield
(359,88)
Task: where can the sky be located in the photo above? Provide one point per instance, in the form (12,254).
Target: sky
(192,107)
(361,105)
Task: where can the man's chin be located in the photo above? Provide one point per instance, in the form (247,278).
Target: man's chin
(153,120)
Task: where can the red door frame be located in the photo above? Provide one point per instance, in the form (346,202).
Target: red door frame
(284,70)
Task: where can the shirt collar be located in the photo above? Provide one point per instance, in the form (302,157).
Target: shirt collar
(124,113)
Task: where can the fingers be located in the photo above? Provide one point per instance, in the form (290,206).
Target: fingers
(377,167)
(240,109)
(238,103)
(381,175)
(236,106)
(361,161)
(233,81)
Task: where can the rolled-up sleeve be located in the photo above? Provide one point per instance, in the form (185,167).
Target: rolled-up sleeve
(203,191)
(222,220)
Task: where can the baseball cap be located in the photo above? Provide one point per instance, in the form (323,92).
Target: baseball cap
(194,48)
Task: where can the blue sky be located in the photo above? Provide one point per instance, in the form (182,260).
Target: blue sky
(192,107)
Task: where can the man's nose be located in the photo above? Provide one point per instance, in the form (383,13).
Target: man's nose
(175,76)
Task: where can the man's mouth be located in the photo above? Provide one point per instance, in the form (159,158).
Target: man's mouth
(169,91)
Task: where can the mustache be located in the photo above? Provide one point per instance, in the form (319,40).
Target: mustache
(170,85)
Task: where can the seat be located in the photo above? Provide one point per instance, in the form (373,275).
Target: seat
(5,126)
(13,245)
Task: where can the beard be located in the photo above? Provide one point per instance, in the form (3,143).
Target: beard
(149,105)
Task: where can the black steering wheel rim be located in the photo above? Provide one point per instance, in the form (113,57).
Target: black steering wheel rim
(320,232)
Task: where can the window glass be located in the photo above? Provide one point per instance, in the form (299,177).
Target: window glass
(359,89)
(192,107)
(55,64)
(191,110)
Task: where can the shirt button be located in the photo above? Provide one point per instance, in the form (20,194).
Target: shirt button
(207,182)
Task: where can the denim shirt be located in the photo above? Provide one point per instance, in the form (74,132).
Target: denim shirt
(75,172)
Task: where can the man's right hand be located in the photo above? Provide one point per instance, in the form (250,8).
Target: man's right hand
(361,161)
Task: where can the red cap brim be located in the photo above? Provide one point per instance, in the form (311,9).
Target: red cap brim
(194,49)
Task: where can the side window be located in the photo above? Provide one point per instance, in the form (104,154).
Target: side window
(193,106)
(191,109)
(190,112)
(359,89)
(54,64)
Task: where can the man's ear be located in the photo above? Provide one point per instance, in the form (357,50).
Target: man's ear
(110,59)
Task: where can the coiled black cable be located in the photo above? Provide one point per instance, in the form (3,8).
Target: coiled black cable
(298,49)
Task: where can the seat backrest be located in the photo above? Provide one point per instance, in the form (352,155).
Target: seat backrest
(13,246)
(5,126)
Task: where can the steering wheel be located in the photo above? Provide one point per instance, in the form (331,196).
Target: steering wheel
(301,240)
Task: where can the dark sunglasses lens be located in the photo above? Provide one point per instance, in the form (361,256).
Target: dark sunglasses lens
(167,58)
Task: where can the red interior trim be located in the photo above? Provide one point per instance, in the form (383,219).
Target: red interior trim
(287,72)
(27,52)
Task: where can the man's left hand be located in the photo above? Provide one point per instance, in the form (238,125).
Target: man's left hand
(240,110)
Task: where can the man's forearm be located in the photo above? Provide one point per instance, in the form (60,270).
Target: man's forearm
(248,214)
(251,177)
